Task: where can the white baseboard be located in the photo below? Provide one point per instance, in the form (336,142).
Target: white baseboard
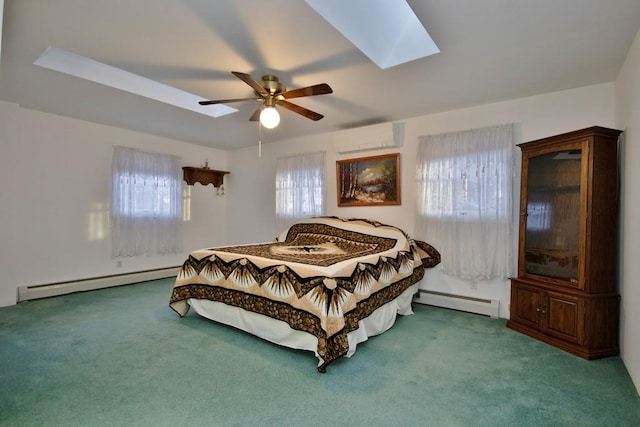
(31,292)
(458,302)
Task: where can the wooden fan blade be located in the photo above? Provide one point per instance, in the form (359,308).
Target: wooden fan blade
(301,110)
(251,82)
(319,89)
(227,101)
(256,116)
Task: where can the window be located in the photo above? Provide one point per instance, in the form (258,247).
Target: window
(146,205)
(150,195)
(465,187)
(300,188)
(464,200)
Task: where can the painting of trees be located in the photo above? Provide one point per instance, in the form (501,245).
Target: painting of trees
(369,181)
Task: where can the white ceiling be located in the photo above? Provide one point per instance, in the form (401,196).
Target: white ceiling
(491,50)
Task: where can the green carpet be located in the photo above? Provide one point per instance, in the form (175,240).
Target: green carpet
(122,357)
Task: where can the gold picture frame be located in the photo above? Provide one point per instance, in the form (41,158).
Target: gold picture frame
(369,181)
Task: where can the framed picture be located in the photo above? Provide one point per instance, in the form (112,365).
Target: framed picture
(369,181)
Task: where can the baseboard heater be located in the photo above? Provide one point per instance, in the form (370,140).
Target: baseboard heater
(26,293)
(458,302)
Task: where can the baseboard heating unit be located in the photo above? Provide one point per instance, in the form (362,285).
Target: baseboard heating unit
(26,293)
(458,302)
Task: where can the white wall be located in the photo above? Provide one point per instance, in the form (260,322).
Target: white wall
(8,115)
(56,193)
(628,119)
(251,185)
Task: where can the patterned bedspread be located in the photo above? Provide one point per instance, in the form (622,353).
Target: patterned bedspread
(321,276)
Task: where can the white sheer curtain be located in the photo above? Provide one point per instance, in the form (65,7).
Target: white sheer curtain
(464,200)
(300,188)
(146,203)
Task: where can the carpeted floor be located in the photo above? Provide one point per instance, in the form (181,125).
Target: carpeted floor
(122,357)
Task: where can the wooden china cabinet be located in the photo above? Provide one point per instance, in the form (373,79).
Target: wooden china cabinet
(566,293)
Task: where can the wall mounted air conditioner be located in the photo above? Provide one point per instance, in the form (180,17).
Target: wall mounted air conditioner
(375,137)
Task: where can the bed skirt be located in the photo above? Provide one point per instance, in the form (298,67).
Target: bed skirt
(280,333)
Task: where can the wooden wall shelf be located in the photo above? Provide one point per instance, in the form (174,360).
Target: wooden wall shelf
(204,176)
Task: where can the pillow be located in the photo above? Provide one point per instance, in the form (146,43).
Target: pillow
(429,255)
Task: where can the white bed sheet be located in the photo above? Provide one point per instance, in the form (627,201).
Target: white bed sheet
(279,332)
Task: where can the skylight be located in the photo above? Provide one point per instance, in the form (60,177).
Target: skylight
(79,66)
(387,31)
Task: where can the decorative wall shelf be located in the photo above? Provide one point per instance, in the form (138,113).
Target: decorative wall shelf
(204,176)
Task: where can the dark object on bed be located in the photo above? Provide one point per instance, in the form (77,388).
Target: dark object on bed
(322,277)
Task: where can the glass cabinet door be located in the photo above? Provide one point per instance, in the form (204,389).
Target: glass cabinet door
(552,231)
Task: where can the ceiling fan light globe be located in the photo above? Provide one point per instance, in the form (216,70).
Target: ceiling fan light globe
(269,117)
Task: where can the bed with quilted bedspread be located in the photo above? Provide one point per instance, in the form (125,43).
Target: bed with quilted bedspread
(324,285)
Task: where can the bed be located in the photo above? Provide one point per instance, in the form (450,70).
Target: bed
(325,284)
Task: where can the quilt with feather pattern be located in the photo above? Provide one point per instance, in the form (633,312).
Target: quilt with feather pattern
(321,276)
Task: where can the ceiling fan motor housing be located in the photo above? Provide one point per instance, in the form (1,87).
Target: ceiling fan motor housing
(272,85)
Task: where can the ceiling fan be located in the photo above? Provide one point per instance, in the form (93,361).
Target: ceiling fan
(271,92)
